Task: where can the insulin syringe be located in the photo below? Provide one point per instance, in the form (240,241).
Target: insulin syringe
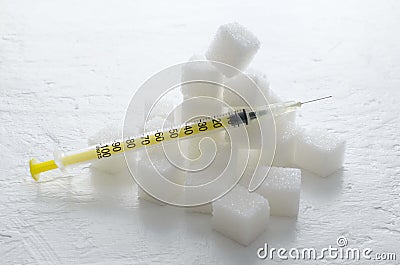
(200,126)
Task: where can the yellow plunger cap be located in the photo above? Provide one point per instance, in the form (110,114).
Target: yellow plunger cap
(39,167)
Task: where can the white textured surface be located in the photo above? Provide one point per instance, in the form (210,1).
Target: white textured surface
(64,64)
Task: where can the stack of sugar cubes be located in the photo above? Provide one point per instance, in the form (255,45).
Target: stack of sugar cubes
(242,215)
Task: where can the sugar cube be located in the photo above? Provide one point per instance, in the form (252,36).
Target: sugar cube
(284,120)
(234,45)
(282,190)
(108,133)
(272,97)
(154,123)
(143,195)
(160,113)
(319,152)
(111,184)
(221,172)
(252,85)
(162,108)
(252,157)
(192,109)
(262,83)
(281,121)
(149,172)
(242,91)
(204,209)
(240,215)
(286,144)
(198,68)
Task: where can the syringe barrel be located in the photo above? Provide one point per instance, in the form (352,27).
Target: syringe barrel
(276,109)
(64,159)
(284,107)
(243,116)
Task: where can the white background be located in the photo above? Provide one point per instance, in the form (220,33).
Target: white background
(68,66)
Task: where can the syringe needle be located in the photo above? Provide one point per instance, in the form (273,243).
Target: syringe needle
(318,99)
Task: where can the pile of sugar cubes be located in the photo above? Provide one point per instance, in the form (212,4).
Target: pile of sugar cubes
(241,215)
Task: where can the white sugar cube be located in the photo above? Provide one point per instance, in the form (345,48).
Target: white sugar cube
(284,120)
(193,180)
(109,133)
(262,83)
(222,168)
(163,107)
(193,109)
(260,79)
(234,45)
(282,189)
(319,152)
(205,208)
(198,68)
(272,97)
(143,195)
(159,112)
(190,147)
(252,86)
(162,164)
(154,123)
(150,171)
(281,121)
(111,184)
(242,90)
(286,144)
(240,215)
(252,156)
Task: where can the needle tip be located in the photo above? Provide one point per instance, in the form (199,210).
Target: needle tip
(318,99)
